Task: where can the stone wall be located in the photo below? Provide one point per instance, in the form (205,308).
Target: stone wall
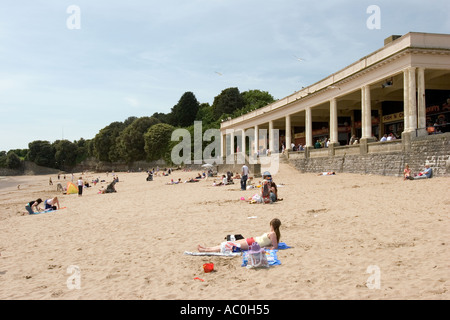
(382,160)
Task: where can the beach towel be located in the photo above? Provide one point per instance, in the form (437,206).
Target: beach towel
(229,254)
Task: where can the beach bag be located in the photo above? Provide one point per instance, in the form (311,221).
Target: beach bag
(256,257)
(266,192)
(234,237)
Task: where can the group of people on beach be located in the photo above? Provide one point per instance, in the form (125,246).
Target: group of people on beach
(426,173)
(51,204)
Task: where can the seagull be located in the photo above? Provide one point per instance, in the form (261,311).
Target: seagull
(299,59)
(219,73)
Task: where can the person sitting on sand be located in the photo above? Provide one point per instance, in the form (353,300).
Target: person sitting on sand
(52,204)
(111,188)
(33,206)
(224,181)
(269,240)
(273,192)
(425,174)
(406,172)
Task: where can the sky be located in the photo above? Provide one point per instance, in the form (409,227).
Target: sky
(70,68)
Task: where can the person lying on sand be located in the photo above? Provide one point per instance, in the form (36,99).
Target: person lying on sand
(331,173)
(269,240)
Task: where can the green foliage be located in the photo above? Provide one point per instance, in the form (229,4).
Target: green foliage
(2,159)
(104,142)
(42,153)
(227,102)
(256,99)
(185,111)
(206,114)
(66,153)
(158,142)
(130,143)
(13,161)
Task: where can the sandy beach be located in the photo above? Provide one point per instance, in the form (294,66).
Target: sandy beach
(131,244)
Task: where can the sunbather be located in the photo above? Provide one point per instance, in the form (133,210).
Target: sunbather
(269,240)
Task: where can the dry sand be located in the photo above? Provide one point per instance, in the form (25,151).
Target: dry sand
(130,245)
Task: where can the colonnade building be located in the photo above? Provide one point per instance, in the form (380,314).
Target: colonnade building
(401,90)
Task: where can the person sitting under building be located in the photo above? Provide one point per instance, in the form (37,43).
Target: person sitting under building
(427,173)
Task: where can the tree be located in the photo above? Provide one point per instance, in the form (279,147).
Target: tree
(2,159)
(255,99)
(41,153)
(65,154)
(185,111)
(227,102)
(158,142)
(13,161)
(205,114)
(105,140)
(130,143)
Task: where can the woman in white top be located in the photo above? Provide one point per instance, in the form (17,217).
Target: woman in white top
(269,240)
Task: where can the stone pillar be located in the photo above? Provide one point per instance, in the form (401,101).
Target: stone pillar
(288,132)
(243,146)
(271,142)
(256,139)
(421,108)
(406,100)
(308,128)
(333,122)
(231,135)
(223,146)
(366,114)
(412,101)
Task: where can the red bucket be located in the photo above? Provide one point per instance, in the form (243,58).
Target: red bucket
(208,267)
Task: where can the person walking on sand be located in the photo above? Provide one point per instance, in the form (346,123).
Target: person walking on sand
(244,177)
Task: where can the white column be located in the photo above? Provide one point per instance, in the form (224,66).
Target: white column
(271,142)
(421,108)
(333,121)
(288,132)
(256,139)
(366,113)
(412,100)
(223,144)
(231,135)
(308,127)
(406,100)
(243,145)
